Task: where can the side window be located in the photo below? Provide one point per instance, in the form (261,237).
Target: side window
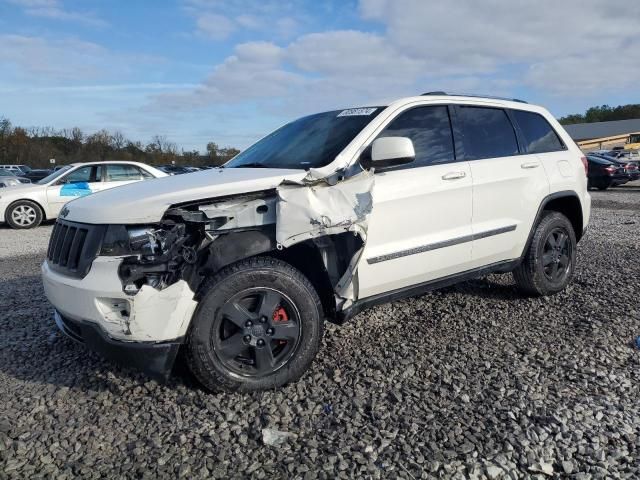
(122,173)
(82,174)
(429,129)
(144,173)
(539,136)
(487,133)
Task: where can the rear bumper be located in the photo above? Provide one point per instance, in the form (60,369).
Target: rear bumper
(154,358)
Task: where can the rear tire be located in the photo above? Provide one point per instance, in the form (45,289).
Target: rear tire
(24,214)
(258,326)
(549,262)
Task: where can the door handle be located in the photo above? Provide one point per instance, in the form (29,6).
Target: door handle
(454,175)
(529,165)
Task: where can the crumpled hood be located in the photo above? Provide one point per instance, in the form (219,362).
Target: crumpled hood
(147,201)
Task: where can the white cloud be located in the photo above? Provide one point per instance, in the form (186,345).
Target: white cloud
(468,37)
(98,88)
(218,20)
(489,47)
(47,61)
(253,72)
(215,26)
(53,9)
(61,59)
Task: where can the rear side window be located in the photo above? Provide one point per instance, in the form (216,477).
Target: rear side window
(539,136)
(122,173)
(144,173)
(429,129)
(487,133)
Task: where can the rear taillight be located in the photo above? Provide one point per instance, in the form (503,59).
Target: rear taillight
(611,169)
(585,164)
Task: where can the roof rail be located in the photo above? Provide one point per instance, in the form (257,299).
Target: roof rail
(474,96)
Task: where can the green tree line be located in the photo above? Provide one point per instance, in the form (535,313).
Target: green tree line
(603,113)
(35,146)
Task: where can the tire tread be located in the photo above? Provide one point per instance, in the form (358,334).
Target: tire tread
(197,358)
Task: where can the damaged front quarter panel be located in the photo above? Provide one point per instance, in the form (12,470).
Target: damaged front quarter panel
(200,238)
(317,207)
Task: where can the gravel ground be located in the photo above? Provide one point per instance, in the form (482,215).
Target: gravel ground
(472,381)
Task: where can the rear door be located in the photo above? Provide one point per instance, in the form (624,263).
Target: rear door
(117,174)
(508,183)
(420,226)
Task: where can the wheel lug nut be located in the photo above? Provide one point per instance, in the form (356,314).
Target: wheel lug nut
(260,343)
(247,338)
(248,323)
(263,319)
(269,331)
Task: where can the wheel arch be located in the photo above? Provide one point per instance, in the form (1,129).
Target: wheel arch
(42,210)
(322,260)
(566,202)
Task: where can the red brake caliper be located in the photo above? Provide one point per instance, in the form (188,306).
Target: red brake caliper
(280,315)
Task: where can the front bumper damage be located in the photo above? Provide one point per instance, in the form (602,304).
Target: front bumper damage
(136,305)
(143,331)
(156,359)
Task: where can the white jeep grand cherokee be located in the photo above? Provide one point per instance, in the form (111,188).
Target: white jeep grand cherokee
(326,216)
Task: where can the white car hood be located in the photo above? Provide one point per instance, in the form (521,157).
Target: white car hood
(24,190)
(146,202)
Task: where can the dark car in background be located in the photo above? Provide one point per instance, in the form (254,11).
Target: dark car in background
(604,173)
(631,168)
(175,169)
(37,174)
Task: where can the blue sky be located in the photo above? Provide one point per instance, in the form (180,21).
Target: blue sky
(231,71)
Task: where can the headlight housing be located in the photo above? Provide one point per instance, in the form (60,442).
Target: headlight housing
(147,241)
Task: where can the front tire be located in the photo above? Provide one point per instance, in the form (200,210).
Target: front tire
(258,326)
(24,214)
(550,260)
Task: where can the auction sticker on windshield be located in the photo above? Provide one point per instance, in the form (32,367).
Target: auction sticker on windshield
(352,112)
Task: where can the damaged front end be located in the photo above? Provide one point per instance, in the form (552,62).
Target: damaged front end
(324,218)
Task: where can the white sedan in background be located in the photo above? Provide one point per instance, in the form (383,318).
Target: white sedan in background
(25,206)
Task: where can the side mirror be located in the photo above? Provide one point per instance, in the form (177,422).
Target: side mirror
(392,151)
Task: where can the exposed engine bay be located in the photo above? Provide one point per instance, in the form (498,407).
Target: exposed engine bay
(318,216)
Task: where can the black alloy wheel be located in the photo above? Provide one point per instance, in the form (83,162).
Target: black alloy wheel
(256,332)
(549,261)
(556,256)
(258,326)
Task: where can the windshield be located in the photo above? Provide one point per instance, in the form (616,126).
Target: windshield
(54,175)
(309,142)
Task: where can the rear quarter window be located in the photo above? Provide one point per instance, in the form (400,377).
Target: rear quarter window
(538,135)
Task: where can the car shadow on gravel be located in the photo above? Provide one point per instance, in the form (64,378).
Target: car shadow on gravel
(32,349)
(493,286)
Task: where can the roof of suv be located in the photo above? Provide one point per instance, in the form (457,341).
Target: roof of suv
(512,103)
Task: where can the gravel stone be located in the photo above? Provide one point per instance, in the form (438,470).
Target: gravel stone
(473,381)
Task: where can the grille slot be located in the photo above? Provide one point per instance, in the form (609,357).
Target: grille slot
(73,247)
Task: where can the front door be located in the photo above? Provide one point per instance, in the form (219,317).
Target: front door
(420,227)
(79,182)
